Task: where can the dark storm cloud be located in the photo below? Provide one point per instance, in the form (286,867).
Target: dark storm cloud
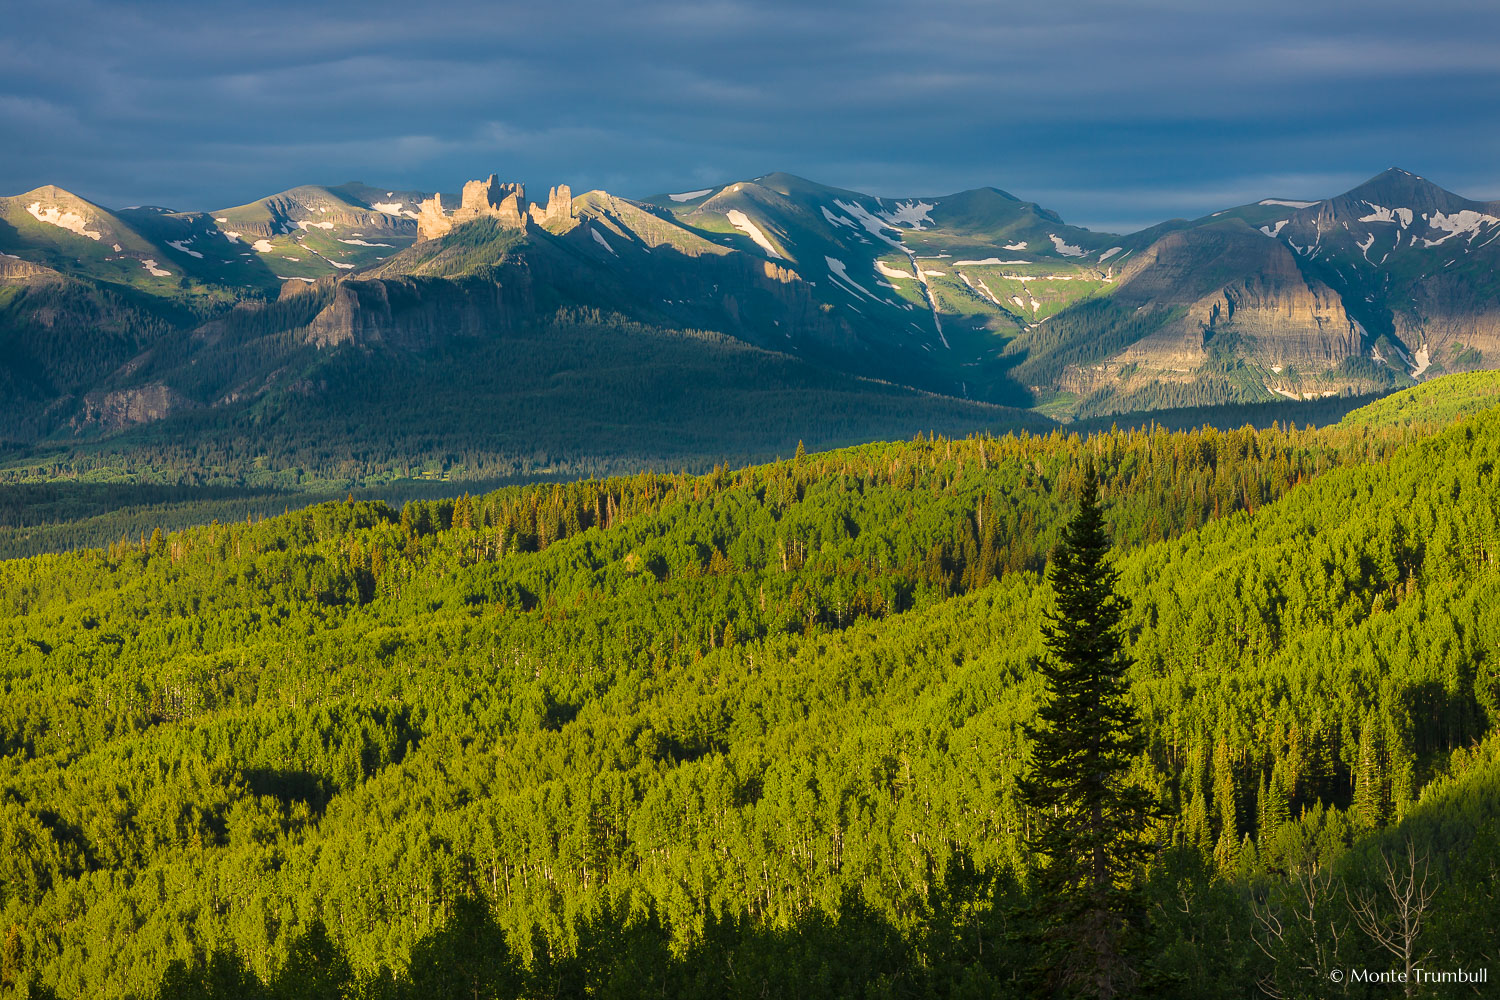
(1116,114)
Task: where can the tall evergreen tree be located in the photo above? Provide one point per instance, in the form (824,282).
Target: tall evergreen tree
(1090,827)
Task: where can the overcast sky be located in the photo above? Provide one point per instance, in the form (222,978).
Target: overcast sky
(1115,113)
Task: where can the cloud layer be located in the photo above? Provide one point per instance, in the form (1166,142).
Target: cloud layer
(1117,115)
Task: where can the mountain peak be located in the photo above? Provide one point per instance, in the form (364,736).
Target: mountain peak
(1402,187)
(53,194)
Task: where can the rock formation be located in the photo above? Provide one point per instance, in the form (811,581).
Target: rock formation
(431,220)
(559,211)
(128,407)
(505,202)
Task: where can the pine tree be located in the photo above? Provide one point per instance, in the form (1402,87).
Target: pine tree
(1091,826)
(1226,801)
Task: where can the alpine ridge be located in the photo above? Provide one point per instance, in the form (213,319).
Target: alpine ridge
(125,318)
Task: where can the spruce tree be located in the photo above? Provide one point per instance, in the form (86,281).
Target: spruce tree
(1090,827)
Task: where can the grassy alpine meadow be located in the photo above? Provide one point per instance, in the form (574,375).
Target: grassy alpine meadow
(763,731)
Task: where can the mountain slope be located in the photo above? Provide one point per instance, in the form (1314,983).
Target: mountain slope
(1417,264)
(505,365)
(1391,281)
(975,295)
(307,232)
(58,229)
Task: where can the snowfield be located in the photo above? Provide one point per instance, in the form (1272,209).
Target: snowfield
(1467,221)
(741,221)
(910,213)
(181,247)
(1424,361)
(875,227)
(54,216)
(1379,213)
(1064,248)
(690,195)
(1287,204)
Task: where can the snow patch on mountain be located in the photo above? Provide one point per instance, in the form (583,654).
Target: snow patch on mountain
(1276,230)
(362,243)
(881,267)
(262,246)
(1106,255)
(990,262)
(314,225)
(1287,204)
(837,269)
(980,287)
(690,195)
(156,272)
(54,216)
(1467,221)
(1065,248)
(1396,216)
(181,247)
(599,238)
(910,213)
(388,207)
(1018,245)
(876,227)
(1424,361)
(742,222)
(837,220)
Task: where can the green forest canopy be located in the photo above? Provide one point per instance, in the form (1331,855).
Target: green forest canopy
(705,733)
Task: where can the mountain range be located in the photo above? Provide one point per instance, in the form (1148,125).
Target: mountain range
(339,314)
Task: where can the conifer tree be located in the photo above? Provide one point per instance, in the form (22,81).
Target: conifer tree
(1091,826)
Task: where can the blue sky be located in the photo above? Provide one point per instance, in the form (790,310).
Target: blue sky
(1115,114)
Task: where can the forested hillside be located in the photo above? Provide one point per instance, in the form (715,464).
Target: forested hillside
(755,732)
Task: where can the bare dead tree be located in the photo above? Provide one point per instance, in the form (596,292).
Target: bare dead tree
(1406,882)
(1300,936)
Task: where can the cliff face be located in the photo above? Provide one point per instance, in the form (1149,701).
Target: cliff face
(128,407)
(505,202)
(413,314)
(1230,280)
(1450,323)
(15,271)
